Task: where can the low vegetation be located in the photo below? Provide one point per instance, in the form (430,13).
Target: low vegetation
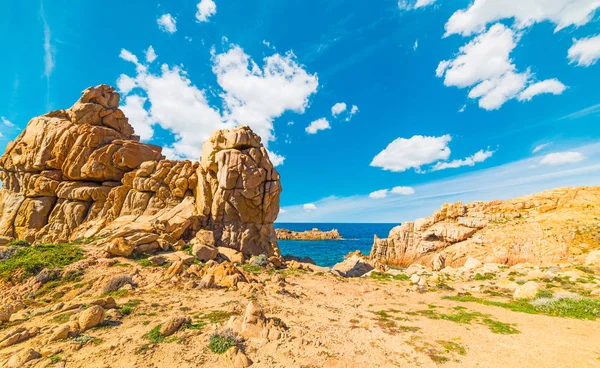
(28,261)
(220,342)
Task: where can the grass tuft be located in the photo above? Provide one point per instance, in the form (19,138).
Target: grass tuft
(28,261)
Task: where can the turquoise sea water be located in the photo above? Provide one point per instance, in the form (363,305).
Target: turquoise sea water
(326,253)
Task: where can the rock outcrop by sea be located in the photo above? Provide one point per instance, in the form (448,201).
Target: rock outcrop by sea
(544,228)
(314,234)
(83,173)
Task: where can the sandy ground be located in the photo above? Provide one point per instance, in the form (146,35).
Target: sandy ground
(331,321)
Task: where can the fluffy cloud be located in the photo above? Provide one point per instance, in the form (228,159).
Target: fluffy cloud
(352,112)
(250,96)
(484,65)
(319,124)
(403,190)
(480,156)
(309,207)
(412,4)
(167,23)
(561,158)
(383,193)
(379,194)
(255,96)
(480,13)
(553,86)
(403,154)
(585,52)
(206,9)
(338,108)
(150,54)
(540,147)
(7,122)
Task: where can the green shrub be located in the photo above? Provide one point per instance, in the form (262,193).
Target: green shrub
(29,261)
(220,342)
(18,243)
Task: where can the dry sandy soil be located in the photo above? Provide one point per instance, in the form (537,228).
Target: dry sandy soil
(328,321)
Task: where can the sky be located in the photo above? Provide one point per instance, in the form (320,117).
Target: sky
(372,111)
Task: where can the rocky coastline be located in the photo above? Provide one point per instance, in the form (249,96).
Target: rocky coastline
(314,234)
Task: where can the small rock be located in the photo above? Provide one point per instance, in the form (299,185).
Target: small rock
(354,266)
(19,359)
(575,251)
(235,358)
(438,262)
(415,279)
(414,268)
(120,247)
(60,333)
(472,263)
(91,317)
(526,291)
(593,258)
(171,325)
(231,255)
(187,260)
(112,315)
(175,269)
(158,260)
(204,253)
(207,282)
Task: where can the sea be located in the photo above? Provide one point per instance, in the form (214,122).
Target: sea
(326,253)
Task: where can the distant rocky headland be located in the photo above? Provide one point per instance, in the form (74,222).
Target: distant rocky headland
(314,234)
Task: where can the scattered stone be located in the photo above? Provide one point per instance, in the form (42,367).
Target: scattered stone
(120,247)
(526,291)
(231,255)
(472,263)
(172,324)
(60,332)
(207,282)
(117,282)
(354,266)
(158,260)
(19,359)
(235,358)
(593,258)
(17,335)
(108,303)
(175,269)
(204,252)
(438,262)
(91,317)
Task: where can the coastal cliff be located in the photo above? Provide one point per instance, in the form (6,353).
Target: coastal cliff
(82,173)
(551,226)
(314,234)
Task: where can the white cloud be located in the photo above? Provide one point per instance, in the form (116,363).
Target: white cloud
(540,147)
(352,112)
(379,194)
(585,51)
(479,156)
(416,45)
(139,118)
(167,23)
(412,4)
(7,122)
(403,154)
(480,13)
(206,9)
(462,108)
(48,50)
(255,96)
(403,190)
(150,54)
(338,108)
(310,207)
(1,135)
(594,109)
(125,84)
(561,158)
(281,210)
(276,160)
(484,65)
(553,86)
(319,124)
(251,96)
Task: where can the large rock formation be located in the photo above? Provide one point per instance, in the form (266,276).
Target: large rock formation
(547,227)
(82,172)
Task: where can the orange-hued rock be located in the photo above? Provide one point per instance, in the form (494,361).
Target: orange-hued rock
(82,173)
(314,234)
(538,228)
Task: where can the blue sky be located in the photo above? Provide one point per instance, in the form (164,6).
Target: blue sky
(374,111)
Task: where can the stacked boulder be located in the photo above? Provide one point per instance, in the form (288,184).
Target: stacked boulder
(82,173)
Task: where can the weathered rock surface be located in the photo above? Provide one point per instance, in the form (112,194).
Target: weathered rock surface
(82,173)
(314,234)
(539,228)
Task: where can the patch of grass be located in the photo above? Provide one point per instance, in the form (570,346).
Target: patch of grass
(252,268)
(498,327)
(543,294)
(154,335)
(118,293)
(221,342)
(216,317)
(86,339)
(28,261)
(128,308)
(451,346)
(485,276)
(387,277)
(54,359)
(580,308)
(18,243)
(433,353)
(61,318)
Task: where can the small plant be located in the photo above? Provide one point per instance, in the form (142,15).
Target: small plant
(252,268)
(18,243)
(128,308)
(61,318)
(485,276)
(451,346)
(498,327)
(387,277)
(54,359)
(154,335)
(216,317)
(220,342)
(543,294)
